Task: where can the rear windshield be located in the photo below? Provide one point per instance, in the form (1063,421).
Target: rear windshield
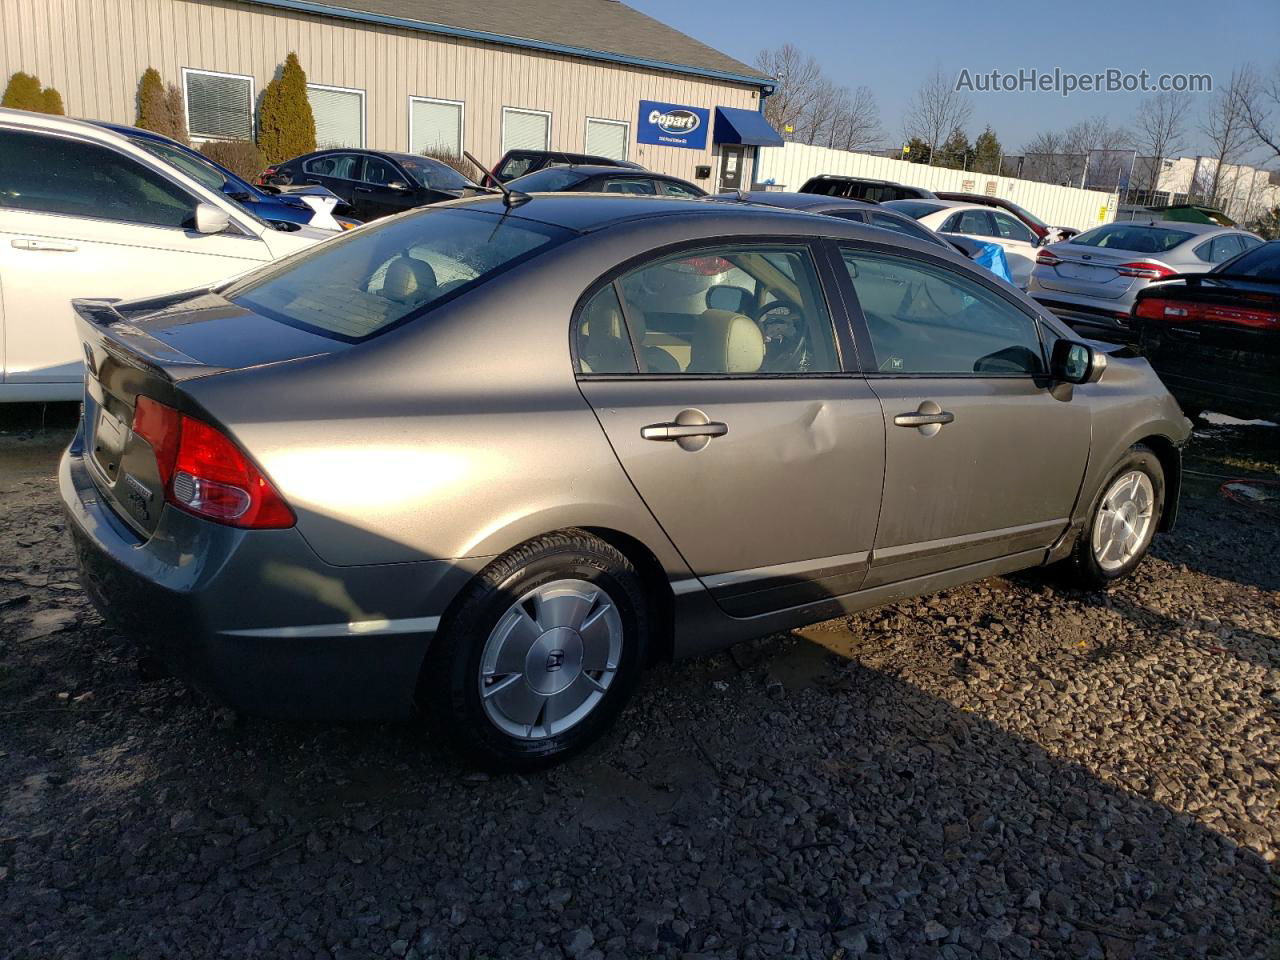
(1262,262)
(372,279)
(1123,236)
(547,180)
(433,174)
(915,209)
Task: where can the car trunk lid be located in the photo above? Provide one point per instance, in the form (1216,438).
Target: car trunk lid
(151,348)
(1070,268)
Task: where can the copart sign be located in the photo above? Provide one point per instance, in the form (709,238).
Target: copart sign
(673,125)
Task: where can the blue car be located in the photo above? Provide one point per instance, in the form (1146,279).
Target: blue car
(276,208)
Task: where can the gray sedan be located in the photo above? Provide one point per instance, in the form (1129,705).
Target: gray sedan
(1091,280)
(478,460)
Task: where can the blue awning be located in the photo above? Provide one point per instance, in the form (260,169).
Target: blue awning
(744,126)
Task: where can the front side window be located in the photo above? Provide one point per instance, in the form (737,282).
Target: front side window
(925,318)
(365,282)
(48,174)
(1219,249)
(741,309)
(1010,229)
(219,105)
(339,116)
(378,171)
(198,169)
(674,189)
(547,180)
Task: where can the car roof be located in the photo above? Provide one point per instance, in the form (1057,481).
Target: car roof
(794,201)
(852,179)
(1176,225)
(47,121)
(128,131)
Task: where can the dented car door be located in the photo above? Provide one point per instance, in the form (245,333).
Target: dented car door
(731,412)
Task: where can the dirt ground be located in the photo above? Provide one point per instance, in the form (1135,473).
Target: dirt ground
(1009,769)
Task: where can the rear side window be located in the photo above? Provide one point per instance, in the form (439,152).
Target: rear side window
(1011,229)
(736,309)
(48,174)
(1122,236)
(1220,248)
(365,282)
(926,319)
(345,166)
(638,186)
(548,180)
(973,222)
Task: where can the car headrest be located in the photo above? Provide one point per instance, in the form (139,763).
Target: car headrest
(409,280)
(726,342)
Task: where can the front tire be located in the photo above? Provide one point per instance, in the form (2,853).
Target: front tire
(1122,521)
(541,654)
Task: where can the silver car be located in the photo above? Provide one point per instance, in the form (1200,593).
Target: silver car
(1090,281)
(473,460)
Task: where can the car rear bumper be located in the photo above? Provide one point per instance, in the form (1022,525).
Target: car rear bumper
(1111,316)
(255,618)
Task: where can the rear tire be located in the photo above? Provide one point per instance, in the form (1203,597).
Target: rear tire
(540,655)
(1122,521)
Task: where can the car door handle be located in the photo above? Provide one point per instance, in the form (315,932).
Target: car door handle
(678,431)
(46,246)
(922,419)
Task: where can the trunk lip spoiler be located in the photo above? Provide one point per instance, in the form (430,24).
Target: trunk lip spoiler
(131,344)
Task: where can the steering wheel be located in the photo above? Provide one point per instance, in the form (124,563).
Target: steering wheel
(784,335)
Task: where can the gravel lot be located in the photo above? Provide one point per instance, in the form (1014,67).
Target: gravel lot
(1006,770)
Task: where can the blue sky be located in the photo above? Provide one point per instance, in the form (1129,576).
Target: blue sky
(890,47)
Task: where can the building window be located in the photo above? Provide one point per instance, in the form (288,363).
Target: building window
(525,129)
(608,138)
(435,126)
(219,105)
(339,114)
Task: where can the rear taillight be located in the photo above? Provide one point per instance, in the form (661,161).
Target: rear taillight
(1048,259)
(1146,269)
(1172,311)
(204,473)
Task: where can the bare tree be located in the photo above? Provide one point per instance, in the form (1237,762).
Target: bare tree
(1159,130)
(814,124)
(799,77)
(936,109)
(1259,102)
(1226,128)
(857,124)
(1045,158)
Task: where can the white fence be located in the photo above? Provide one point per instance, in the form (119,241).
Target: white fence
(791,165)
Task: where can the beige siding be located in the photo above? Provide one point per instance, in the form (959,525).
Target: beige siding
(94,52)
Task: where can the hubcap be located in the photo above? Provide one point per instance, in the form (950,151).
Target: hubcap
(1124,519)
(550,659)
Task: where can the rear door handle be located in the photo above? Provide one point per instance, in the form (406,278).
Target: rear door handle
(46,246)
(677,431)
(922,419)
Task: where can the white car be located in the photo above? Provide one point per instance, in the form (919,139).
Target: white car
(86,213)
(981,223)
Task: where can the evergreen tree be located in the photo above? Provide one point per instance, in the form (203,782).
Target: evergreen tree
(917,151)
(23,93)
(51,102)
(955,151)
(286,125)
(987,152)
(150,100)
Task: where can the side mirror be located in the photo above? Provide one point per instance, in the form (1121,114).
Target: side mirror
(1074,362)
(399,186)
(211,219)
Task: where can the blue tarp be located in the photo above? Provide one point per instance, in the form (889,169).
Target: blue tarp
(744,126)
(992,257)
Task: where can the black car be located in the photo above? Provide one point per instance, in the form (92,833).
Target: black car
(517,163)
(1214,338)
(375,183)
(605,179)
(862,188)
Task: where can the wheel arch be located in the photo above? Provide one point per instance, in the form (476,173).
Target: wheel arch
(1170,457)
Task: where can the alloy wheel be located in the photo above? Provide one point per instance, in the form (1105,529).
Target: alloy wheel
(1123,524)
(550,659)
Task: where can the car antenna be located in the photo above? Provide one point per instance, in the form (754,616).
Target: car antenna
(510,198)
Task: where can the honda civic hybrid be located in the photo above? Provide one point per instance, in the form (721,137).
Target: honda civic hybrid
(485,461)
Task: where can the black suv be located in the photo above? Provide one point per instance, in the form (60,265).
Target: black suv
(516,163)
(595,178)
(861,188)
(375,183)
